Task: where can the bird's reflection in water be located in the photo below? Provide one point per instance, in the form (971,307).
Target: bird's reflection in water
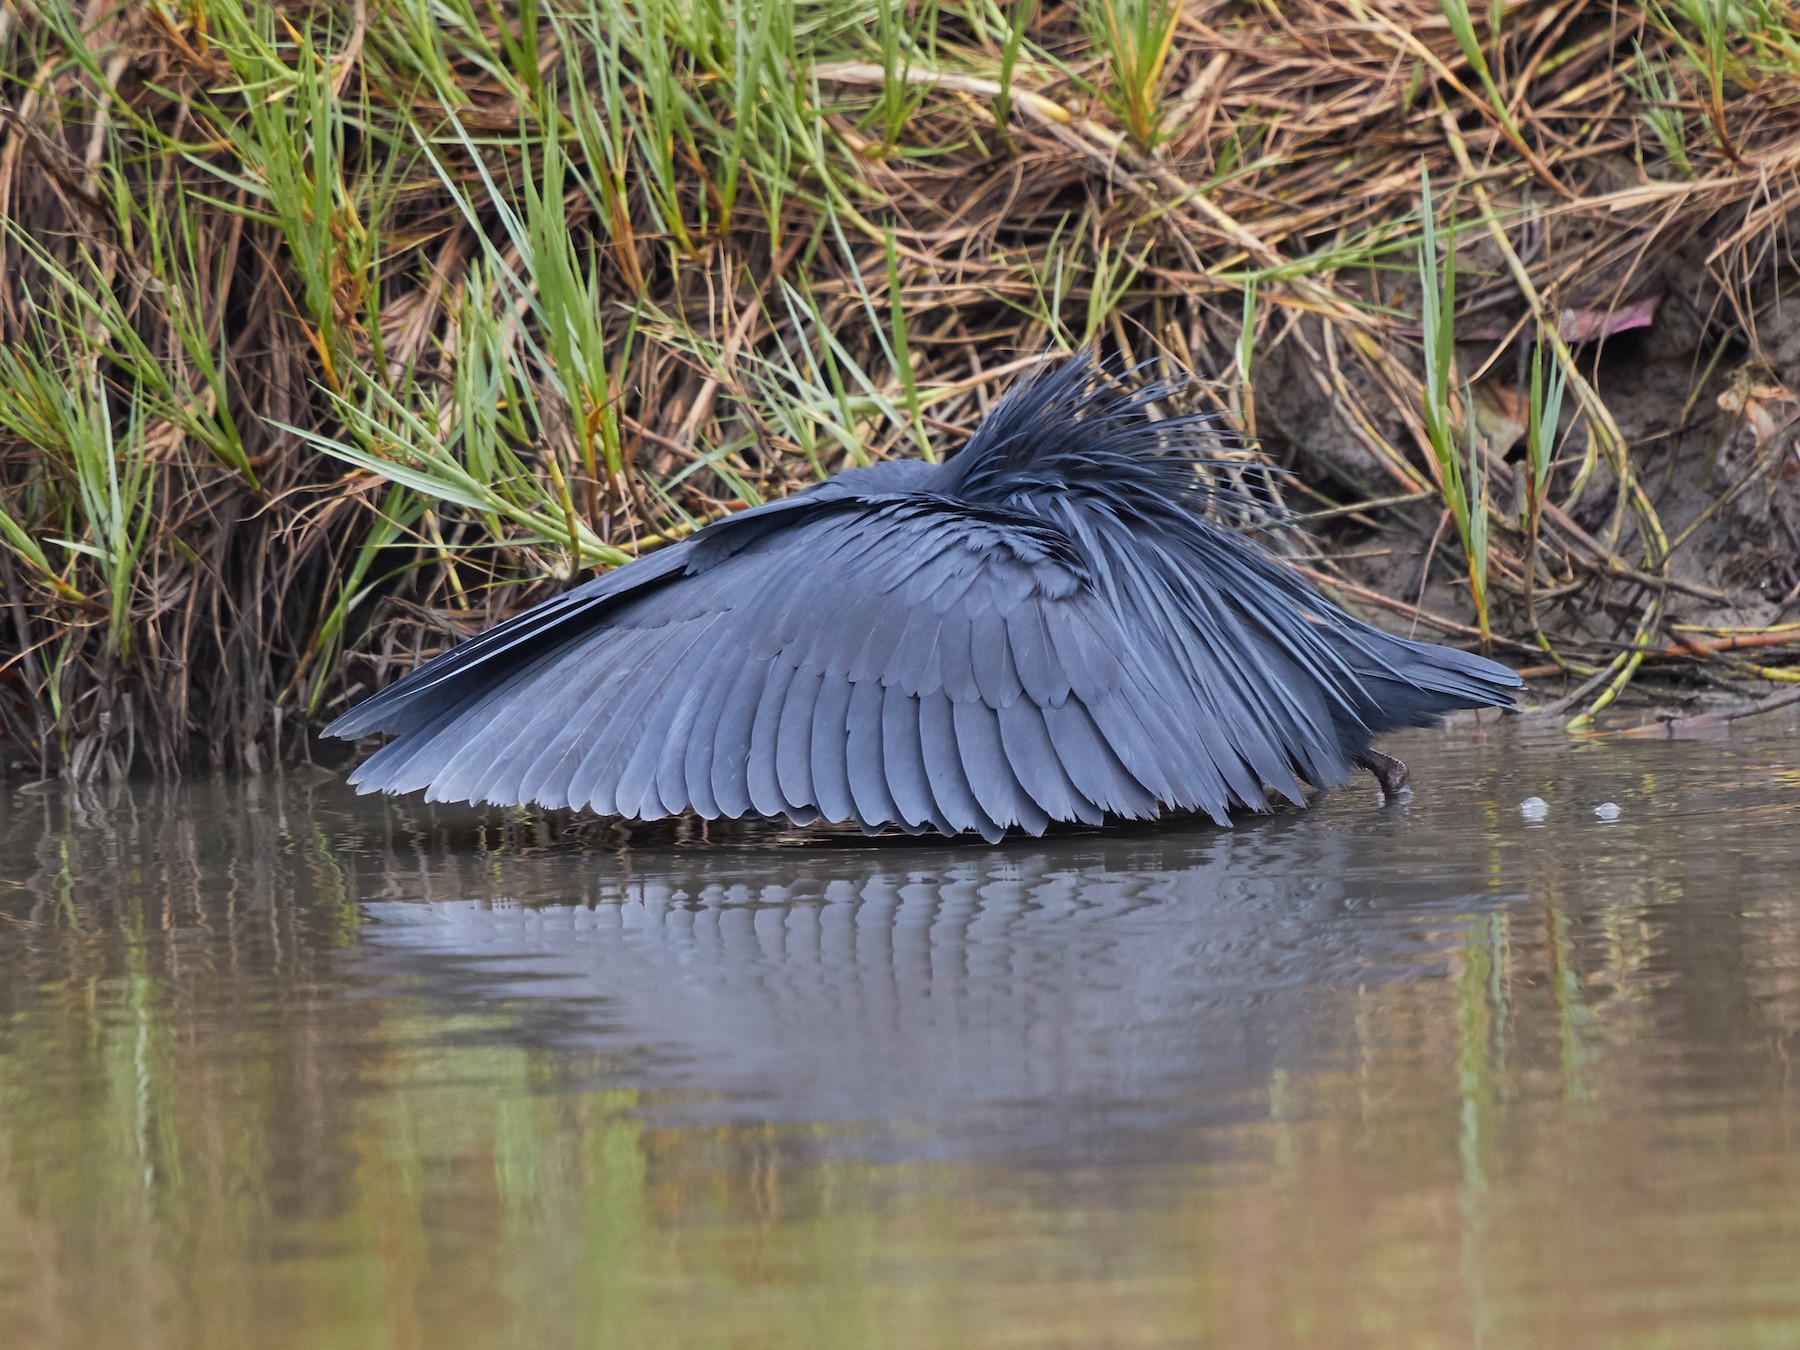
(1063,997)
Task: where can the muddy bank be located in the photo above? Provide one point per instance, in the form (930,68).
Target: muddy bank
(295,391)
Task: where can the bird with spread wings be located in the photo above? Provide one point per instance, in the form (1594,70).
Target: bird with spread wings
(1049,626)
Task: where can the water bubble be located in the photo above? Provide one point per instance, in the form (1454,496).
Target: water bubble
(1607,810)
(1534,808)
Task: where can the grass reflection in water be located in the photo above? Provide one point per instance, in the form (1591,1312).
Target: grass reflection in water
(285,1068)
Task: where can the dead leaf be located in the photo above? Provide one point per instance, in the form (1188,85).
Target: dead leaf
(1766,409)
(1582,324)
(1501,416)
(1585,325)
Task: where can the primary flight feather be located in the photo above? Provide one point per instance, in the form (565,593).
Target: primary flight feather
(1044,628)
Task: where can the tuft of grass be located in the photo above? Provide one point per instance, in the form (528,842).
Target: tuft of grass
(1461,18)
(1461,474)
(1710,51)
(1137,37)
(1662,112)
(1019,17)
(1542,433)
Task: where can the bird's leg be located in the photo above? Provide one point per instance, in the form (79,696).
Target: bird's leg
(1389,772)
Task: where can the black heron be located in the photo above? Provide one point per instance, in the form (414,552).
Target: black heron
(1045,627)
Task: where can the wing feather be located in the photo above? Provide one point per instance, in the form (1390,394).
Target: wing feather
(731,741)
(635,789)
(1026,743)
(593,749)
(399,709)
(903,761)
(760,776)
(864,757)
(410,763)
(944,768)
(989,774)
(991,654)
(548,778)
(956,659)
(721,676)
(830,773)
(913,667)
(1034,656)
(1136,748)
(1092,765)
(793,755)
(589,689)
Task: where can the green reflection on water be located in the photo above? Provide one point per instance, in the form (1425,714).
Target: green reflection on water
(1568,1121)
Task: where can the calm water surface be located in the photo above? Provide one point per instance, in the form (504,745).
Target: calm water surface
(281,1067)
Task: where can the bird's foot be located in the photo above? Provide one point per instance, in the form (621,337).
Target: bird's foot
(1391,773)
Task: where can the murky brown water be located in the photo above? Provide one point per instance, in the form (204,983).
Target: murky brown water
(284,1068)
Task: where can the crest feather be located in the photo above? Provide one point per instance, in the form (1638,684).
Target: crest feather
(1080,427)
